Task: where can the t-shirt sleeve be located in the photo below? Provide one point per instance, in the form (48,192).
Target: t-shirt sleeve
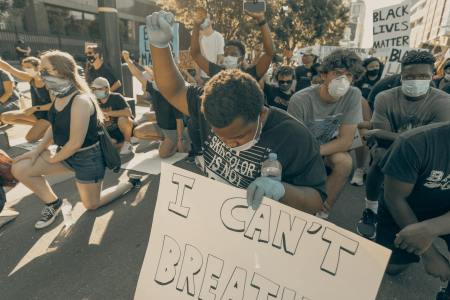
(220,44)
(119,102)
(296,107)
(353,115)
(109,74)
(214,69)
(194,101)
(403,161)
(305,167)
(380,118)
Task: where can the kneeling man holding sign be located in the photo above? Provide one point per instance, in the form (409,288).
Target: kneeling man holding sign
(238,132)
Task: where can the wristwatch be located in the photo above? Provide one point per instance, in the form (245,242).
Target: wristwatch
(38,107)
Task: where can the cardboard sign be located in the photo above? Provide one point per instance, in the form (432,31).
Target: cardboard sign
(391,27)
(144,46)
(205,243)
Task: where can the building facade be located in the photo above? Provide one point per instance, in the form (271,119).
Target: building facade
(430,23)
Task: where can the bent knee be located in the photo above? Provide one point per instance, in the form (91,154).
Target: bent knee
(341,160)
(166,153)
(394,270)
(20,169)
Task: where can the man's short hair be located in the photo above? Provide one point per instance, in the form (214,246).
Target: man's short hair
(415,57)
(237,44)
(96,50)
(369,60)
(285,71)
(345,59)
(229,95)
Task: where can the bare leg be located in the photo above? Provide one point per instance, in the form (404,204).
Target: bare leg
(341,165)
(147,131)
(32,176)
(167,148)
(37,131)
(93,197)
(126,127)
(18,117)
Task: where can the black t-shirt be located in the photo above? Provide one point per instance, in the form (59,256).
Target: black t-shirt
(6,77)
(215,69)
(383,85)
(422,157)
(22,45)
(301,160)
(275,97)
(365,85)
(115,102)
(166,114)
(303,71)
(104,71)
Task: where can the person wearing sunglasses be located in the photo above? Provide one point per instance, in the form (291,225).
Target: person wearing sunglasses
(279,95)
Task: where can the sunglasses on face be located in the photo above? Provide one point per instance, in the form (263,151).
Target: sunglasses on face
(284,81)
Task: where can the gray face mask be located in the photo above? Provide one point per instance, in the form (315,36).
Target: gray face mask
(58,87)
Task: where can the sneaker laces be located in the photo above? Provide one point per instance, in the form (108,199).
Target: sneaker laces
(47,212)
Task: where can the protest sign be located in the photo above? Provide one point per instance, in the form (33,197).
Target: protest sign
(206,243)
(144,46)
(363,53)
(394,60)
(391,28)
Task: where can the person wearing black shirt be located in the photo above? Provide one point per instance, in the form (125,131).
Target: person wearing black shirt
(117,112)
(22,50)
(238,132)
(279,95)
(415,209)
(168,128)
(374,70)
(96,67)
(234,51)
(443,82)
(37,115)
(306,72)
(384,84)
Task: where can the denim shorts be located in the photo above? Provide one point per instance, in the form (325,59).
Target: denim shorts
(88,164)
(9,106)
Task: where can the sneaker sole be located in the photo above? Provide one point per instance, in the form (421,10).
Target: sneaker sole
(370,237)
(49,222)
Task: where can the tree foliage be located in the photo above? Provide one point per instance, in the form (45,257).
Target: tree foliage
(293,22)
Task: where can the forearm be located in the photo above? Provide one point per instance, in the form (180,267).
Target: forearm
(180,129)
(47,140)
(69,149)
(439,226)
(116,86)
(45,107)
(400,210)
(135,71)
(119,113)
(302,198)
(335,146)
(20,75)
(4,98)
(195,42)
(267,40)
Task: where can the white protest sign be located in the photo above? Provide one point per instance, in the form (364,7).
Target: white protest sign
(205,243)
(391,27)
(144,46)
(394,60)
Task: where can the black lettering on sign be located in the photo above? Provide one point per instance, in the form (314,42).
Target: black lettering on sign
(213,271)
(182,182)
(236,285)
(288,233)
(266,287)
(337,242)
(226,214)
(168,260)
(192,264)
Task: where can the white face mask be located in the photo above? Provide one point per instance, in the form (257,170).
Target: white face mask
(230,62)
(250,143)
(415,88)
(205,24)
(338,87)
(31,71)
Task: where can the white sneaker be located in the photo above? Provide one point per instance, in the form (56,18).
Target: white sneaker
(358,177)
(323,215)
(126,149)
(134,140)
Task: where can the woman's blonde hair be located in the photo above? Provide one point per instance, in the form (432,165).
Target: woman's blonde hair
(64,63)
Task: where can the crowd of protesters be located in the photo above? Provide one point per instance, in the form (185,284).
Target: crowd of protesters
(329,120)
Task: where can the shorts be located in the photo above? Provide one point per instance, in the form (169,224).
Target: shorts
(88,164)
(115,133)
(386,233)
(9,106)
(172,135)
(41,115)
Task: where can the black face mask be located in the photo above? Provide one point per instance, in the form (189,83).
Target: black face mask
(373,73)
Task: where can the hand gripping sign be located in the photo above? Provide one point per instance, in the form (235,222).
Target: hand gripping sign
(205,243)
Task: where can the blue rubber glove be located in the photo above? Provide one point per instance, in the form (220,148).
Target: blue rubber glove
(159,28)
(264,187)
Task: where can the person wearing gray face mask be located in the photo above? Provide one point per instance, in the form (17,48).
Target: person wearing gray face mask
(413,104)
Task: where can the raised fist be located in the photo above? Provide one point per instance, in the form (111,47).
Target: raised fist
(159,28)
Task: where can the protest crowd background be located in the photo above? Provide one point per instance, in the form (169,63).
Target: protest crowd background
(278,99)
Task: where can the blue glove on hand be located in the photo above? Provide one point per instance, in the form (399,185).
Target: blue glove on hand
(159,28)
(264,187)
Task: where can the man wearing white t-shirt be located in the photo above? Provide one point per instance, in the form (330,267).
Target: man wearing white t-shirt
(212,45)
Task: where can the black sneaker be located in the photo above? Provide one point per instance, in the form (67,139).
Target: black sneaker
(48,216)
(367,225)
(135,180)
